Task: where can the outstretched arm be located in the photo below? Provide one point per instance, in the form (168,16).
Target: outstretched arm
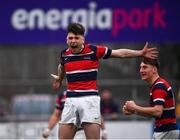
(145,52)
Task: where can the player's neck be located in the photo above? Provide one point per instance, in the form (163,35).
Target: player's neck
(153,79)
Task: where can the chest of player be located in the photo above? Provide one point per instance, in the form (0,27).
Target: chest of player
(85,62)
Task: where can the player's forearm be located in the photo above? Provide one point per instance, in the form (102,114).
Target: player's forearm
(61,72)
(53,121)
(148,111)
(125,53)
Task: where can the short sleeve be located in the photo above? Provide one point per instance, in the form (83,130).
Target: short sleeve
(103,52)
(159,96)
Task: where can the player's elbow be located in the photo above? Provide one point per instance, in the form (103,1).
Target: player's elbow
(158,113)
(57,113)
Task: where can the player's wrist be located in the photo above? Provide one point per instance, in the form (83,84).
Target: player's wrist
(47,130)
(134,111)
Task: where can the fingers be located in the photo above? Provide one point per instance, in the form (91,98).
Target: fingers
(56,82)
(146,45)
(153,50)
(126,111)
(151,53)
(56,85)
(153,56)
(128,108)
(56,77)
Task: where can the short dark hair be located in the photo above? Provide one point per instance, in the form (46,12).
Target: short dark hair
(154,62)
(76,28)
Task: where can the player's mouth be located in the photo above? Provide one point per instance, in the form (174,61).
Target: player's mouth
(143,75)
(74,46)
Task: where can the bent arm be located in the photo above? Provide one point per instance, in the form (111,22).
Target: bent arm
(57,82)
(132,107)
(155,111)
(61,72)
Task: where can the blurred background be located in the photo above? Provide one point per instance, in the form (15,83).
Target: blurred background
(32,34)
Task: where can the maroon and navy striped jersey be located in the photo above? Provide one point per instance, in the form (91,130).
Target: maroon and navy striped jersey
(82,68)
(162,94)
(60,100)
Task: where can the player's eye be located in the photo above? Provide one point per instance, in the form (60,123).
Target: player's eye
(71,38)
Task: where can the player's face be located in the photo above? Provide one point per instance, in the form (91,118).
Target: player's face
(146,71)
(75,41)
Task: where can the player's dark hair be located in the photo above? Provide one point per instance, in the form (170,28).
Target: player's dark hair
(76,28)
(154,62)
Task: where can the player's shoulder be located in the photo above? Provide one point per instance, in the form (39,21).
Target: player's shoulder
(164,81)
(65,50)
(161,83)
(89,48)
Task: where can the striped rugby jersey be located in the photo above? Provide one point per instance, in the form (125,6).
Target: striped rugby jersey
(162,94)
(81,69)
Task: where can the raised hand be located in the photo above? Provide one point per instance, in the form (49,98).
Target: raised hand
(151,53)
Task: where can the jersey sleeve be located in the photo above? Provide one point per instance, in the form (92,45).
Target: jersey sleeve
(159,94)
(103,52)
(59,102)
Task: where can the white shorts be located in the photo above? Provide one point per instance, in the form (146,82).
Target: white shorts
(81,109)
(173,135)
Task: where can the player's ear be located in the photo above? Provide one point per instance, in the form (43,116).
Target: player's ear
(155,69)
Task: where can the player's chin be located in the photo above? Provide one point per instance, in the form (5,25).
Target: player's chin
(143,77)
(73,45)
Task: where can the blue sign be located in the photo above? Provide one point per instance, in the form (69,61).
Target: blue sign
(45,21)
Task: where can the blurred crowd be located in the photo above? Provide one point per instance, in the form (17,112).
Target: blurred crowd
(109,108)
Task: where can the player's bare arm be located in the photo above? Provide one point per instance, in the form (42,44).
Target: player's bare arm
(52,122)
(58,78)
(155,111)
(145,52)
